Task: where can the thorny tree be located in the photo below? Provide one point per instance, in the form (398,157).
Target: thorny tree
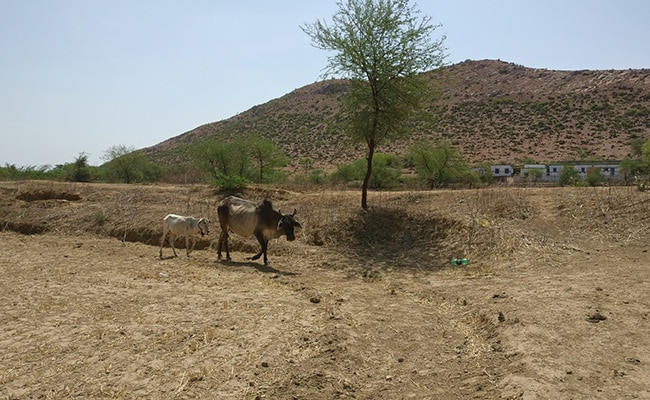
(382,47)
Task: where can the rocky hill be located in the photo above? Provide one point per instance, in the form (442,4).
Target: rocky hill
(491,111)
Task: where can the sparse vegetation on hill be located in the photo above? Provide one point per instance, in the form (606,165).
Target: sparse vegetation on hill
(492,111)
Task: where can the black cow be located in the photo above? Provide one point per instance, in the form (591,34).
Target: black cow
(246,218)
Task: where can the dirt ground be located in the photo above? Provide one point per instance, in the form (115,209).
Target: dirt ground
(555,303)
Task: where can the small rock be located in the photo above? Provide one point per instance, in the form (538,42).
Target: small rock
(596,318)
(315,300)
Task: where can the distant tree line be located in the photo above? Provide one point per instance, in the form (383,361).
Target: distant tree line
(122,164)
(234,165)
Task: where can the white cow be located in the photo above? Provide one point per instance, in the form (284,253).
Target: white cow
(178,225)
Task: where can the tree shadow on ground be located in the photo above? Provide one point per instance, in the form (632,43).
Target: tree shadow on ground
(394,236)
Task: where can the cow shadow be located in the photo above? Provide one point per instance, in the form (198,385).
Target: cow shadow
(257,266)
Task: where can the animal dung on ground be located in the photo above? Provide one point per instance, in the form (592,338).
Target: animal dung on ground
(596,318)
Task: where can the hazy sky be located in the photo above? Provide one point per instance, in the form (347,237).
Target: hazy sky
(84,75)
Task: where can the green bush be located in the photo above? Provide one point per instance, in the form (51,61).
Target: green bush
(486,177)
(314,177)
(124,164)
(439,164)
(385,172)
(349,172)
(568,177)
(594,177)
(231,183)
(317,177)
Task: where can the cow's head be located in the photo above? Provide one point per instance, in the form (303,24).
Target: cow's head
(287,224)
(204,226)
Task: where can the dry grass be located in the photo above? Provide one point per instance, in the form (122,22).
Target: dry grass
(362,305)
(411,229)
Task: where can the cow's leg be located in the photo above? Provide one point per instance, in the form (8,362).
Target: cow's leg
(264,244)
(162,240)
(222,212)
(192,247)
(223,240)
(187,244)
(172,239)
(219,246)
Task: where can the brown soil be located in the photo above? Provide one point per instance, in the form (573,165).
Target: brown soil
(554,304)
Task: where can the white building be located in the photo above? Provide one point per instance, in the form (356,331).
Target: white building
(502,171)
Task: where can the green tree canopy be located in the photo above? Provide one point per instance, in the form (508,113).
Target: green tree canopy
(382,46)
(645,154)
(125,164)
(233,163)
(265,156)
(215,158)
(631,168)
(385,172)
(80,170)
(438,164)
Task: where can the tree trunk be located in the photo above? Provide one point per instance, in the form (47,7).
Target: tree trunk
(366,179)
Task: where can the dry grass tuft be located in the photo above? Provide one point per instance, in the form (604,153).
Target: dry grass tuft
(409,229)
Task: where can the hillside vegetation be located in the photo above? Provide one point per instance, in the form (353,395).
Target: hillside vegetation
(492,111)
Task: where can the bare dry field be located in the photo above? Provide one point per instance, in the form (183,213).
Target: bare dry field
(363,305)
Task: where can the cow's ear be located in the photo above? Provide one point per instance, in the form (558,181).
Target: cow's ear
(297,224)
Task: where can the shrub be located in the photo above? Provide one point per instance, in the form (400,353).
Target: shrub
(348,173)
(568,176)
(594,177)
(385,172)
(317,177)
(439,164)
(231,183)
